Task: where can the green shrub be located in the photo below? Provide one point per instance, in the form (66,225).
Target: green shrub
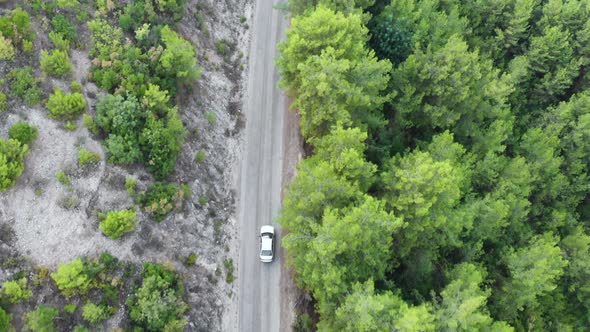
(3,103)
(16,26)
(4,320)
(75,87)
(69,202)
(64,27)
(23,132)
(108,260)
(118,223)
(211,117)
(67,3)
(80,328)
(123,120)
(7,51)
(200,156)
(203,200)
(90,124)
(86,157)
(178,60)
(191,259)
(223,47)
(130,184)
(41,319)
(93,313)
(303,323)
(57,63)
(71,278)
(12,164)
(25,85)
(161,142)
(157,305)
(70,308)
(63,178)
(161,199)
(16,290)
(200,21)
(65,106)
(70,126)
(229,270)
(59,41)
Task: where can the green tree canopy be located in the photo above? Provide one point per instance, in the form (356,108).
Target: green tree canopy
(364,310)
(534,271)
(308,37)
(340,91)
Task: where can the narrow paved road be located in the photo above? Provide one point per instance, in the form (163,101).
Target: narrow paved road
(260,177)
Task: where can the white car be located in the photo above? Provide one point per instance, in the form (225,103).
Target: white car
(267,243)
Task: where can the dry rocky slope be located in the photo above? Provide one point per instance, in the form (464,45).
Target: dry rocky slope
(43,223)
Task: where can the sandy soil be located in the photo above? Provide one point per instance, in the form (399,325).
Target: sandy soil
(51,223)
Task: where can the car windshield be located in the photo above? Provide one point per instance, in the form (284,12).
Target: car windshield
(266,253)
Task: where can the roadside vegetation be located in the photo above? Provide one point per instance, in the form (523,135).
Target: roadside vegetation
(152,296)
(447,187)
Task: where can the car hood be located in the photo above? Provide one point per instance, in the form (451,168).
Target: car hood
(267,229)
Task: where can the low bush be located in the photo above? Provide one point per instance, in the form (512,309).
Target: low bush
(70,308)
(223,47)
(4,320)
(12,164)
(57,63)
(118,223)
(16,25)
(41,319)
(64,27)
(191,259)
(70,126)
(25,85)
(211,117)
(64,4)
(86,157)
(16,290)
(229,270)
(200,156)
(157,305)
(90,124)
(161,199)
(94,314)
(122,119)
(65,106)
(3,103)
(161,142)
(23,132)
(130,184)
(80,328)
(71,278)
(63,178)
(7,51)
(59,41)
(75,87)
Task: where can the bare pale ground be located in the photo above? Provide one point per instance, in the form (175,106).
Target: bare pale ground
(49,232)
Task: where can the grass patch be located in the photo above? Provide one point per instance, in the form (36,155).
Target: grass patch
(200,156)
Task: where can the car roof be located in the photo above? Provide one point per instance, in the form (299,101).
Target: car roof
(266,243)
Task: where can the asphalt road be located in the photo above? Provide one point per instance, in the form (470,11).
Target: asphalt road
(260,178)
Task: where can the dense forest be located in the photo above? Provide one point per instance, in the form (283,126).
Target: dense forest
(447,188)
